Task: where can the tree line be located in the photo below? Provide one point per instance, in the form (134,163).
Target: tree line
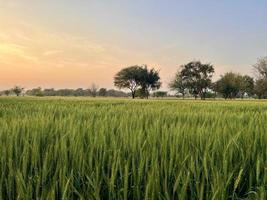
(93,91)
(193,79)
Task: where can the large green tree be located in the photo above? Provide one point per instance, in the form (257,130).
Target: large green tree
(229,85)
(150,80)
(129,78)
(138,78)
(177,84)
(197,77)
(260,88)
(260,69)
(246,86)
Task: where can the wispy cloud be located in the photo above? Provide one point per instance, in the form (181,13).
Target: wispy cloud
(49,48)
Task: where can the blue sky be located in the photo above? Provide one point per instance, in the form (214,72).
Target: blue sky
(92,40)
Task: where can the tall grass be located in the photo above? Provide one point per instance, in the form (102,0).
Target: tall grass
(120,149)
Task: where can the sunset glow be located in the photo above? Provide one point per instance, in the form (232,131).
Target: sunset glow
(76,43)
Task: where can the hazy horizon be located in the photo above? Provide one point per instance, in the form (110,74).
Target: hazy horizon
(72,44)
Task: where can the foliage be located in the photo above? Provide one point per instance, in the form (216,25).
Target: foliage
(102,92)
(261,81)
(18,90)
(138,77)
(116,93)
(260,68)
(246,86)
(79,92)
(7,92)
(93,90)
(129,78)
(232,85)
(178,85)
(210,95)
(120,149)
(197,77)
(35,92)
(160,94)
(150,80)
(141,93)
(261,88)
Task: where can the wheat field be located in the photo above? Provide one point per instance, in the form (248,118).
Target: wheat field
(82,148)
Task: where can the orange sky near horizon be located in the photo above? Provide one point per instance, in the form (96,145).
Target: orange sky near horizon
(33,56)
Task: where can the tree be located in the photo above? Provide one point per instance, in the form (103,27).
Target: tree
(18,90)
(260,69)
(93,90)
(229,85)
(102,92)
(260,88)
(150,80)
(87,92)
(246,86)
(177,84)
(160,94)
(49,92)
(7,92)
(65,92)
(129,78)
(197,77)
(35,92)
(141,93)
(79,92)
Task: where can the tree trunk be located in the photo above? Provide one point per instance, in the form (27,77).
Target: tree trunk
(204,96)
(133,94)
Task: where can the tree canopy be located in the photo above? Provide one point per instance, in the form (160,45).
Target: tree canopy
(195,77)
(138,77)
(260,69)
(232,85)
(150,80)
(177,84)
(17,90)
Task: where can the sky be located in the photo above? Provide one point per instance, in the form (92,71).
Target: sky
(74,43)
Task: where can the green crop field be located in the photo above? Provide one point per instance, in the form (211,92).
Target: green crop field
(67,148)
